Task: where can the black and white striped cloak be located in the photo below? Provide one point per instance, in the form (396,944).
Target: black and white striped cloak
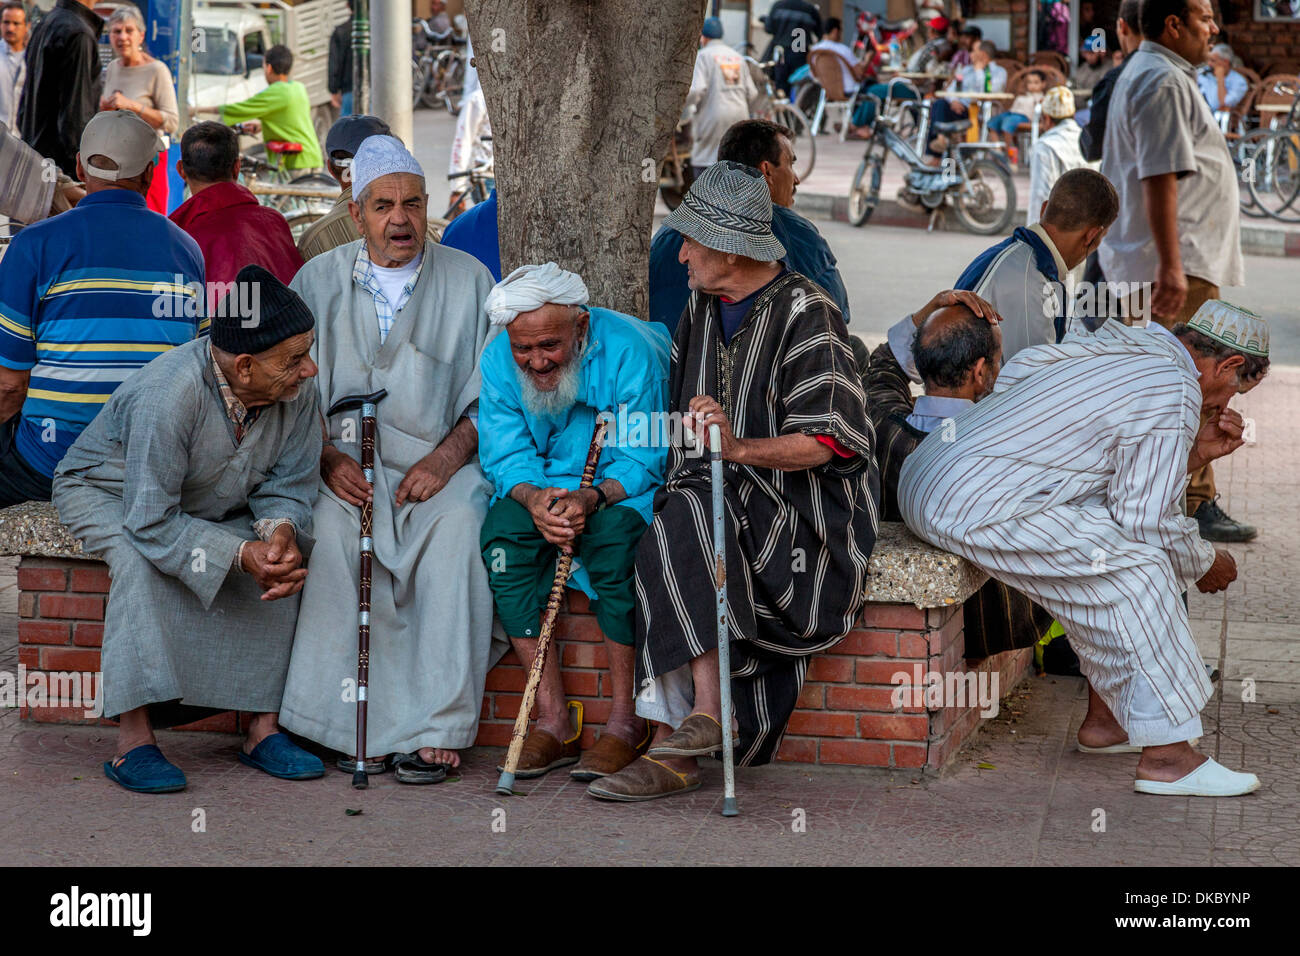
(798,542)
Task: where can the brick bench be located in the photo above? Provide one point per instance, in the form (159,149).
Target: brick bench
(912,625)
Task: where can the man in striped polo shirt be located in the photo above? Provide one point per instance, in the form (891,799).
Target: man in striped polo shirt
(86,298)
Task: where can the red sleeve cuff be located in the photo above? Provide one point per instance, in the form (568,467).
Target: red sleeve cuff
(834,446)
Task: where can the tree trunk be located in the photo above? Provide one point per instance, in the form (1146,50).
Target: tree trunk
(583,96)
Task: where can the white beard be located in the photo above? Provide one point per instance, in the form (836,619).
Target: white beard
(557,401)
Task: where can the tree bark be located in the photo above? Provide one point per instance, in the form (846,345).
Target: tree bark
(582,96)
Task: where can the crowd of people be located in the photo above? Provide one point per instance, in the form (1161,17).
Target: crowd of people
(185,395)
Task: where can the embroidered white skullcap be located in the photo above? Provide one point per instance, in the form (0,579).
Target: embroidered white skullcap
(1232,325)
(1058,102)
(380,156)
(531,287)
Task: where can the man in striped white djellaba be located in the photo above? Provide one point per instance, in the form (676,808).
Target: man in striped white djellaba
(763,353)
(1067,484)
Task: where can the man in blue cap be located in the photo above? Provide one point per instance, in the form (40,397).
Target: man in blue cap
(336,228)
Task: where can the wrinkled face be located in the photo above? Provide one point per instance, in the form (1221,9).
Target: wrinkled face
(276,374)
(706,269)
(394,219)
(13,27)
(125,38)
(781,179)
(544,342)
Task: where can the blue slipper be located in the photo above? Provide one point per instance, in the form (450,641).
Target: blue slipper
(145,770)
(281,757)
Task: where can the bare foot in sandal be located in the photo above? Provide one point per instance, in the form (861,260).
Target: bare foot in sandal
(448,758)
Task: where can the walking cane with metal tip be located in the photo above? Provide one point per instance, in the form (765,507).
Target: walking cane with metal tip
(563,566)
(729,808)
(367,405)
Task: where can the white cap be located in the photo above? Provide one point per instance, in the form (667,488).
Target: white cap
(381,156)
(124,138)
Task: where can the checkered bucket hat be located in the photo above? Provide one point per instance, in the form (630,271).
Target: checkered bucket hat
(729,208)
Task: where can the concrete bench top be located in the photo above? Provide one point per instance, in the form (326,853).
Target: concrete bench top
(904,569)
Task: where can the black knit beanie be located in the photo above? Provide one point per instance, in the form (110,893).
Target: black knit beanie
(258,313)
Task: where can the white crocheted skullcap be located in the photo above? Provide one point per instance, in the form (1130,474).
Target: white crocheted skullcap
(381,156)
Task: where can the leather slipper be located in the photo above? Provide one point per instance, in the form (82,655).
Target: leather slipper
(698,736)
(1210,779)
(643,779)
(543,752)
(412,768)
(609,755)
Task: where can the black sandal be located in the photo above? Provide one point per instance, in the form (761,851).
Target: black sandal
(410,768)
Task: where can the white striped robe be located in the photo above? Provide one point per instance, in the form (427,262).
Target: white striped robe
(1067,483)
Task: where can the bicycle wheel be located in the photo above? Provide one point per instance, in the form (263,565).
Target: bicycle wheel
(299,221)
(419,82)
(1243,158)
(1275,185)
(986,203)
(864,193)
(805,147)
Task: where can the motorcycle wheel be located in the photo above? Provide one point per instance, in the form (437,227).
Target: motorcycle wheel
(976,205)
(864,194)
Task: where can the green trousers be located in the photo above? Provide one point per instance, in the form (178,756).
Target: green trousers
(521,567)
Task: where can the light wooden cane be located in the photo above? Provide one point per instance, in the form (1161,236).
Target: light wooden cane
(563,567)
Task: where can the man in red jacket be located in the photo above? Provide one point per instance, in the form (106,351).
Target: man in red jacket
(226,220)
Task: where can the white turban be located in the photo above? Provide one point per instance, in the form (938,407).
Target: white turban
(531,287)
(380,156)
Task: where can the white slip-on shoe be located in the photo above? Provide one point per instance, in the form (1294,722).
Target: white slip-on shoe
(1210,779)
(1124,748)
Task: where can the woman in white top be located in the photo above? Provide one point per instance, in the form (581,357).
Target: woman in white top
(136,81)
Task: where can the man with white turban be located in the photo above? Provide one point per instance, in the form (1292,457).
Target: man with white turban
(560,365)
(399,313)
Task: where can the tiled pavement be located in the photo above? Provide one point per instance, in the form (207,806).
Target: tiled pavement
(1018,794)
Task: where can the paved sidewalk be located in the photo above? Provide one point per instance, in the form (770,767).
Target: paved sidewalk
(1018,794)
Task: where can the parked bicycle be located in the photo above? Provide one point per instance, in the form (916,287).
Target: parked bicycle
(437,66)
(972,178)
(1268,165)
(263,164)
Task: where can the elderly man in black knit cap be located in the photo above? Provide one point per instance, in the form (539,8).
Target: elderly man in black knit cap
(196,484)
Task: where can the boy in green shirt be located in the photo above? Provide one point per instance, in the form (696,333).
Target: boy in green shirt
(283,109)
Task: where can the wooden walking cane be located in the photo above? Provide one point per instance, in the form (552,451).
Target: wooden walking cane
(367,405)
(563,566)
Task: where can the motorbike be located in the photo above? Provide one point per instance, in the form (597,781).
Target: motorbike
(973,179)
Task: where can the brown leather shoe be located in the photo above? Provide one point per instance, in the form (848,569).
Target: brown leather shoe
(608,755)
(543,752)
(699,735)
(643,779)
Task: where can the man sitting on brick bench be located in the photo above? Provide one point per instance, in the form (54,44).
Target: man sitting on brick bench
(954,346)
(559,366)
(195,483)
(763,351)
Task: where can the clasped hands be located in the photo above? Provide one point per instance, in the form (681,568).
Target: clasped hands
(276,565)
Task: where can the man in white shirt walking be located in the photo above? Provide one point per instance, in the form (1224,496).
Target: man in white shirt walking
(722,94)
(1179,224)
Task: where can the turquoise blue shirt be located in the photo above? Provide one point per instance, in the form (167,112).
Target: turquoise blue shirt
(625,373)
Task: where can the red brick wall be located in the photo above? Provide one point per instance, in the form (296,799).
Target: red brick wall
(1259,44)
(845,715)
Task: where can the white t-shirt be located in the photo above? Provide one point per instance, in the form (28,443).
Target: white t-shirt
(392,281)
(846,59)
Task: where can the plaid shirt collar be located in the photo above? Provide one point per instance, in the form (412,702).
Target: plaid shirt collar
(242,418)
(363,274)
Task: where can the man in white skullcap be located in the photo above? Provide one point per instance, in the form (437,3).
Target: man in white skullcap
(560,365)
(1056,150)
(399,313)
(1067,484)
